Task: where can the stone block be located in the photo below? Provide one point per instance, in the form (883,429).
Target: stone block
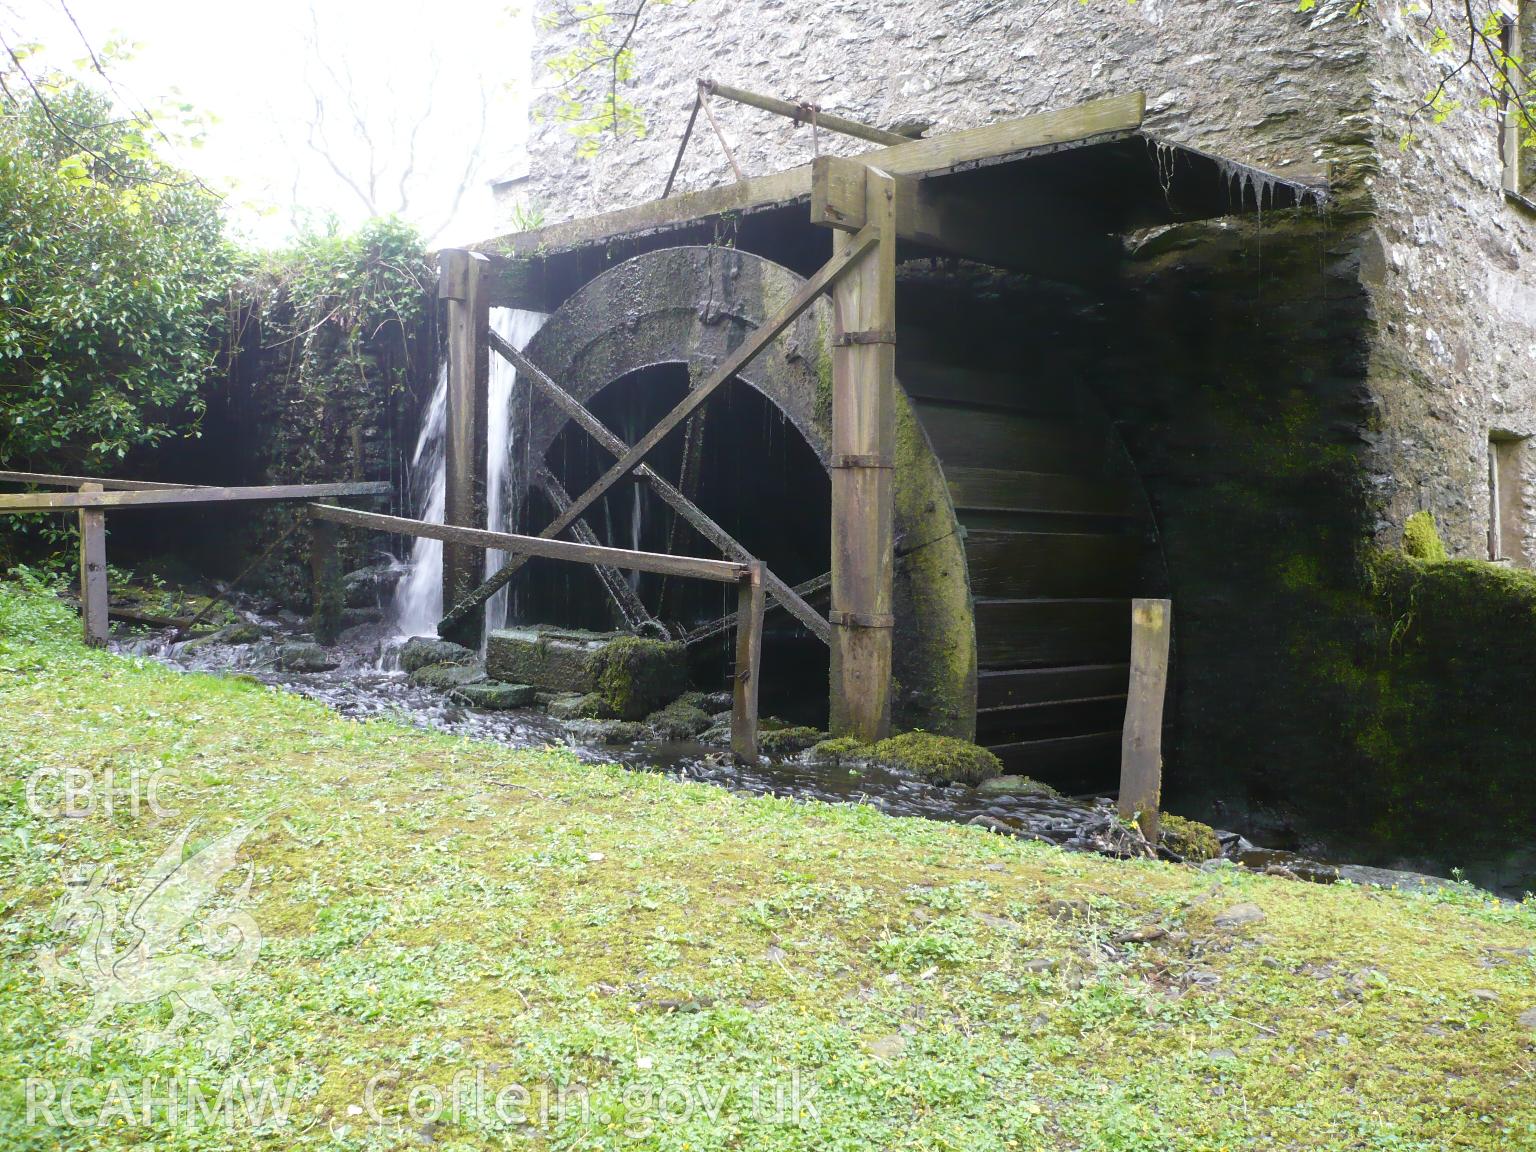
(495,696)
(633,675)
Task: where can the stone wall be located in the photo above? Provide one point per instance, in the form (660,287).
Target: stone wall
(1253,80)
(1452,267)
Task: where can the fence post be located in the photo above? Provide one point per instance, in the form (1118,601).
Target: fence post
(749,651)
(1141,740)
(464,287)
(327,595)
(93,572)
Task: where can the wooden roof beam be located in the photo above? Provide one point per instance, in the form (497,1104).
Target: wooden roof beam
(1098,120)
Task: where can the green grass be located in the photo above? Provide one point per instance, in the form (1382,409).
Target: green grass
(431,906)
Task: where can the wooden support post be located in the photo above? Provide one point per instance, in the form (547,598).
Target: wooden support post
(325,572)
(464,287)
(749,652)
(93,572)
(863,448)
(1141,740)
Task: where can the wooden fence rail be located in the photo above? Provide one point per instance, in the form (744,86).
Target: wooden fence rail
(749,578)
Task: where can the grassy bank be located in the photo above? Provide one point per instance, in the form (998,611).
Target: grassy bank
(625,958)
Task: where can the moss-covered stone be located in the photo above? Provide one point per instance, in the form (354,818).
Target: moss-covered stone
(679,720)
(1189,839)
(1421,539)
(424,651)
(937,759)
(779,739)
(607,732)
(634,675)
(305,657)
(839,750)
(494,696)
(1014,786)
(446,677)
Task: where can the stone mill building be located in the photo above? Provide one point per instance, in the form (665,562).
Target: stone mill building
(1255,333)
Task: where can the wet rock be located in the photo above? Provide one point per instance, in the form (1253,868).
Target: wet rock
(447,677)
(371,587)
(233,635)
(493,695)
(357,617)
(1238,916)
(775,738)
(1014,786)
(305,657)
(1393,878)
(635,675)
(607,732)
(1527,1019)
(578,706)
(1187,840)
(424,651)
(679,720)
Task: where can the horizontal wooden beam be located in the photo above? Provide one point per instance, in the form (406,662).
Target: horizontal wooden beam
(720,571)
(1114,117)
(51,480)
(161,497)
(804,114)
(966,224)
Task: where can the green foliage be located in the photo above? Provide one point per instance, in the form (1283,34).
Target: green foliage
(112,270)
(591,74)
(1421,539)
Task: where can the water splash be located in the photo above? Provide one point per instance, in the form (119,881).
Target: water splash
(419,597)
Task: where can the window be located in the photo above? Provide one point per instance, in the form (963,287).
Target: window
(1506,498)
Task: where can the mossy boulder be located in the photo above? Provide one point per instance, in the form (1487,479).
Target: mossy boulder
(447,677)
(634,675)
(1189,839)
(1014,786)
(424,651)
(679,720)
(305,657)
(839,750)
(607,732)
(371,587)
(580,706)
(494,696)
(937,759)
(1421,538)
(775,738)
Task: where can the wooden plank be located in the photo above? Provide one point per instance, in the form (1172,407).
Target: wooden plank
(1007,490)
(749,653)
(50,479)
(160,497)
(328,598)
(1049,719)
(1141,745)
(685,508)
(463,287)
(1021,564)
(1070,762)
(1023,686)
(952,384)
(720,571)
(1014,633)
(994,143)
(826,277)
(975,438)
(863,477)
(93,572)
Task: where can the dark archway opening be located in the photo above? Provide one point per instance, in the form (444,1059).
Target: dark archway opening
(750,470)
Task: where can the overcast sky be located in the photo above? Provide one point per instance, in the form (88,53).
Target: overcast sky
(253,67)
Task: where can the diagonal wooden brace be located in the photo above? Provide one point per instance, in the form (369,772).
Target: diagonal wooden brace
(631,611)
(632,459)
